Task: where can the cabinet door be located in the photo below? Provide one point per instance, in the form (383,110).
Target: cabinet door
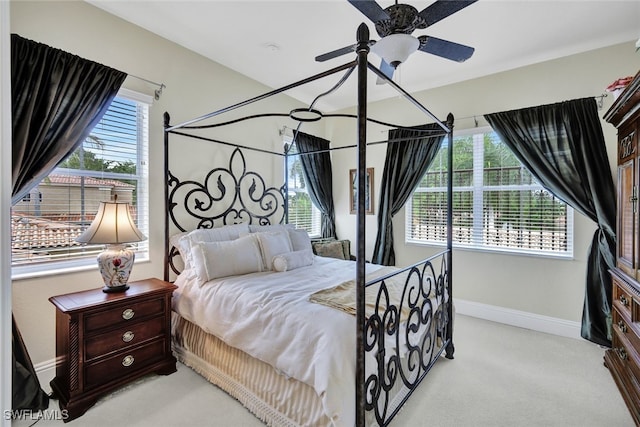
(626,217)
(627,251)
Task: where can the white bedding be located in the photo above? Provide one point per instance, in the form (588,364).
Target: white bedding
(268,315)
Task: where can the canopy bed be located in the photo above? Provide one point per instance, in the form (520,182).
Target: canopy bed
(297,338)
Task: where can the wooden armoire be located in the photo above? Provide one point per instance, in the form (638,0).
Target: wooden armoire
(623,359)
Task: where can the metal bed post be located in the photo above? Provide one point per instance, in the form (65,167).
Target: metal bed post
(449,337)
(287,147)
(362,50)
(167,119)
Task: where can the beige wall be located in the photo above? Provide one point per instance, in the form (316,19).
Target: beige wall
(195,86)
(531,284)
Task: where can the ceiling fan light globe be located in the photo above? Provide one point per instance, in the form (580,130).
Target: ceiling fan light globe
(396,48)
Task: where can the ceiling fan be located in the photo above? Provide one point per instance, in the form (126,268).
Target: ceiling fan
(395,25)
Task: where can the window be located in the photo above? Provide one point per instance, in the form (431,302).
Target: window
(497,204)
(111,162)
(302,212)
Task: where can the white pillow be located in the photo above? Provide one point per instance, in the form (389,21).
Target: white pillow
(179,261)
(293,260)
(229,258)
(186,242)
(300,240)
(272,244)
(220,234)
(174,240)
(255,228)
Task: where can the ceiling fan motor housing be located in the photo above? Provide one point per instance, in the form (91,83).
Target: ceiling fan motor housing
(404,19)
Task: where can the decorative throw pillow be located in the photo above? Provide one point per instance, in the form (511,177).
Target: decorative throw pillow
(292,260)
(255,228)
(346,248)
(333,249)
(174,240)
(219,234)
(300,240)
(229,258)
(184,242)
(272,244)
(181,261)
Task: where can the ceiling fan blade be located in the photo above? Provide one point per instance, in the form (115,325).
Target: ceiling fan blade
(336,53)
(445,49)
(370,9)
(387,69)
(441,9)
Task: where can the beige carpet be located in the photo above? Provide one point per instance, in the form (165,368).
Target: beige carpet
(501,376)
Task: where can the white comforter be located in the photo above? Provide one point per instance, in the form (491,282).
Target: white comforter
(268,315)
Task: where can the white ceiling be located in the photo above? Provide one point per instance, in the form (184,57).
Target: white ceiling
(506,34)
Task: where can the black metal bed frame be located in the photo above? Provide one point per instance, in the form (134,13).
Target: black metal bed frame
(404,350)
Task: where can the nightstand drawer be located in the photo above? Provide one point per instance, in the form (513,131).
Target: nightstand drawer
(133,334)
(124,363)
(123,314)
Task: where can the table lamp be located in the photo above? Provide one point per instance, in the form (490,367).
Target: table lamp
(113,227)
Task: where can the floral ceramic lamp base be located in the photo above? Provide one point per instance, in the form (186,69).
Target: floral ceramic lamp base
(115,264)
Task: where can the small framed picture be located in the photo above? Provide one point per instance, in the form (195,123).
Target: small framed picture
(353,198)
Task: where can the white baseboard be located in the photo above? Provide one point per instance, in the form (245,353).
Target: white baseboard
(46,370)
(521,319)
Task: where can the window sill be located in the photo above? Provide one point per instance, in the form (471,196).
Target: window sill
(31,272)
(496,251)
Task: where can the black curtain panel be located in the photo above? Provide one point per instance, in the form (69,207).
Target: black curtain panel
(56,98)
(563,146)
(26,391)
(409,154)
(319,177)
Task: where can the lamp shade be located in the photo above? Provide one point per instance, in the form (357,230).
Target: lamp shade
(396,48)
(113,224)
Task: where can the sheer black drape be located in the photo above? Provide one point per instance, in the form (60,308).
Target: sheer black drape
(563,146)
(56,99)
(409,154)
(319,178)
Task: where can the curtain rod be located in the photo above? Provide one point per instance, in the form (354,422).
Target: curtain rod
(157,92)
(599,98)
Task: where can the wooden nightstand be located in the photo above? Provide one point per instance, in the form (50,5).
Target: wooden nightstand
(105,340)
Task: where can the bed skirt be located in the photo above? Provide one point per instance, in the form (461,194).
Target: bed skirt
(272,397)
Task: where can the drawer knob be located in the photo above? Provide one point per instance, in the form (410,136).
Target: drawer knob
(128,314)
(622,327)
(624,300)
(621,352)
(128,360)
(128,336)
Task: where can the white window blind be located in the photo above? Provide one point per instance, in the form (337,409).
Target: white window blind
(111,162)
(497,204)
(302,212)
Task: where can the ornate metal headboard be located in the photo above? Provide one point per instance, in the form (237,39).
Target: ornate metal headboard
(225,196)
